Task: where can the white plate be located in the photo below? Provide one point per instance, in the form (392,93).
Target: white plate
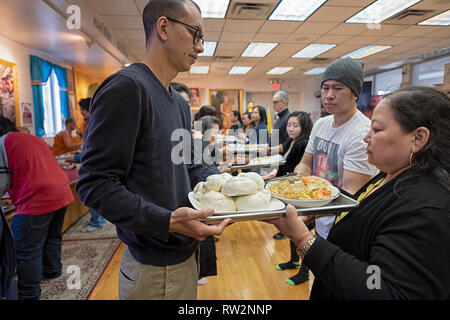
(308,203)
(275,204)
(267,160)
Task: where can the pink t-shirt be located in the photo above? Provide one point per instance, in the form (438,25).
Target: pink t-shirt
(38,184)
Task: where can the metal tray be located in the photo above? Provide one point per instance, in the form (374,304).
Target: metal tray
(341,204)
(258,165)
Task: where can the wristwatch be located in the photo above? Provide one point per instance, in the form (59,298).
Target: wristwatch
(305,247)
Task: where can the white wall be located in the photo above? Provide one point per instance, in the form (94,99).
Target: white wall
(19,54)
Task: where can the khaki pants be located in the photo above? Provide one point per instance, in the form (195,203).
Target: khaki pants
(147,282)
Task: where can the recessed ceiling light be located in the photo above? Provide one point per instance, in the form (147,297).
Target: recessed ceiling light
(380,10)
(295,10)
(315,71)
(313,50)
(199,69)
(365,51)
(213,9)
(209,48)
(239,70)
(442,19)
(279,70)
(258,49)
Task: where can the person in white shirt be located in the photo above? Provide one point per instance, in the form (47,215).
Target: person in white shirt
(336,150)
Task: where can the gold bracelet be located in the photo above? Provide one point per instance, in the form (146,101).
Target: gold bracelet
(305,247)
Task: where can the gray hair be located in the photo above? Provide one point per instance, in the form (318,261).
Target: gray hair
(283,95)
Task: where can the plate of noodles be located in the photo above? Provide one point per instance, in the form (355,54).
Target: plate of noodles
(304,192)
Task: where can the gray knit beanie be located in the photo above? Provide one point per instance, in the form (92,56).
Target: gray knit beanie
(347,71)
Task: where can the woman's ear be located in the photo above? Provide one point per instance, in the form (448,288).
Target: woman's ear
(420,138)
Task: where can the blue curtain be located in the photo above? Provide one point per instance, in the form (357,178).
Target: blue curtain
(40,72)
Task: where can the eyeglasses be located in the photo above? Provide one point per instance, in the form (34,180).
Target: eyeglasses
(197,36)
(275,101)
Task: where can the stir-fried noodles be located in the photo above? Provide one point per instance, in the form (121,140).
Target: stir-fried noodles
(308,187)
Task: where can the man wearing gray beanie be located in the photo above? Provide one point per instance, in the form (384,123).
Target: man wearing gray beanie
(336,150)
(347,71)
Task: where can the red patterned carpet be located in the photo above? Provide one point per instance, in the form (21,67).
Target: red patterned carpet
(84,257)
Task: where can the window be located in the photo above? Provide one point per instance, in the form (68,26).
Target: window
(53,121)
(429,73)
(388,81)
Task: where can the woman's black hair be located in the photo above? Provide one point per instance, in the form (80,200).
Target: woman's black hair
(208,121)
(238,115)
(262,114)
(6,126)
(305,122)
(416,106)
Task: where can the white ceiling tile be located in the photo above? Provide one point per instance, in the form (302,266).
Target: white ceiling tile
(214,24)
(333,14)
(133,34)
(280,26)
(234,25)
(123,22)
(237,36)
(348,29)
(417,31)
(315,27)
(270,37)
(115,7)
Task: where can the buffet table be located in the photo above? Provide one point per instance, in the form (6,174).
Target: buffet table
(75,210)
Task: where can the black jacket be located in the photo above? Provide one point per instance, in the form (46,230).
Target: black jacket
(137,166)
(293,158)
(7,257)
(402,229)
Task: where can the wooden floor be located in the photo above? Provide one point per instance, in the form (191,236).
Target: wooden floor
(246,259)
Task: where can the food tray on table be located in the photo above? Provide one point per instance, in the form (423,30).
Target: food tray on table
(341,204)
(258,165)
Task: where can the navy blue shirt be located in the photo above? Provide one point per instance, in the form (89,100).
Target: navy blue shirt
(127,172)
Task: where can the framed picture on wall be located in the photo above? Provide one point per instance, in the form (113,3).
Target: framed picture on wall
(226,101)
(9,92)
(196,100)
(27,116)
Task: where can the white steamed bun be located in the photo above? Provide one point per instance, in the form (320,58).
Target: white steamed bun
(255,177)
(217,201)
(256,201)
(214,182)
(239,186)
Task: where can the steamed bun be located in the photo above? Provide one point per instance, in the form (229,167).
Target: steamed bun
(256,201)
(217,201)
(199,189)
(239,186)
(255,177)
(214,182)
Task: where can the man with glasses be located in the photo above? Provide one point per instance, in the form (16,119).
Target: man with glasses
(280,139)
(128,174)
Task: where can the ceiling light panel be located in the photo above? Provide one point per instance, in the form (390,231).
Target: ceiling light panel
(259,49)
(295,10)
(365,51)
(442,19)
(200,69)
(315,71)
(280,70)
(239,70)
(381,10)
(313,50)
(213,9)
(209,48)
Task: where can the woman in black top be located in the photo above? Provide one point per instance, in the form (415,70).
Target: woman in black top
(298,127)
(396,244)
(236,121)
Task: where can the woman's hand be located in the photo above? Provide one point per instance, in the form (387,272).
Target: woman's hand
(290,224)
